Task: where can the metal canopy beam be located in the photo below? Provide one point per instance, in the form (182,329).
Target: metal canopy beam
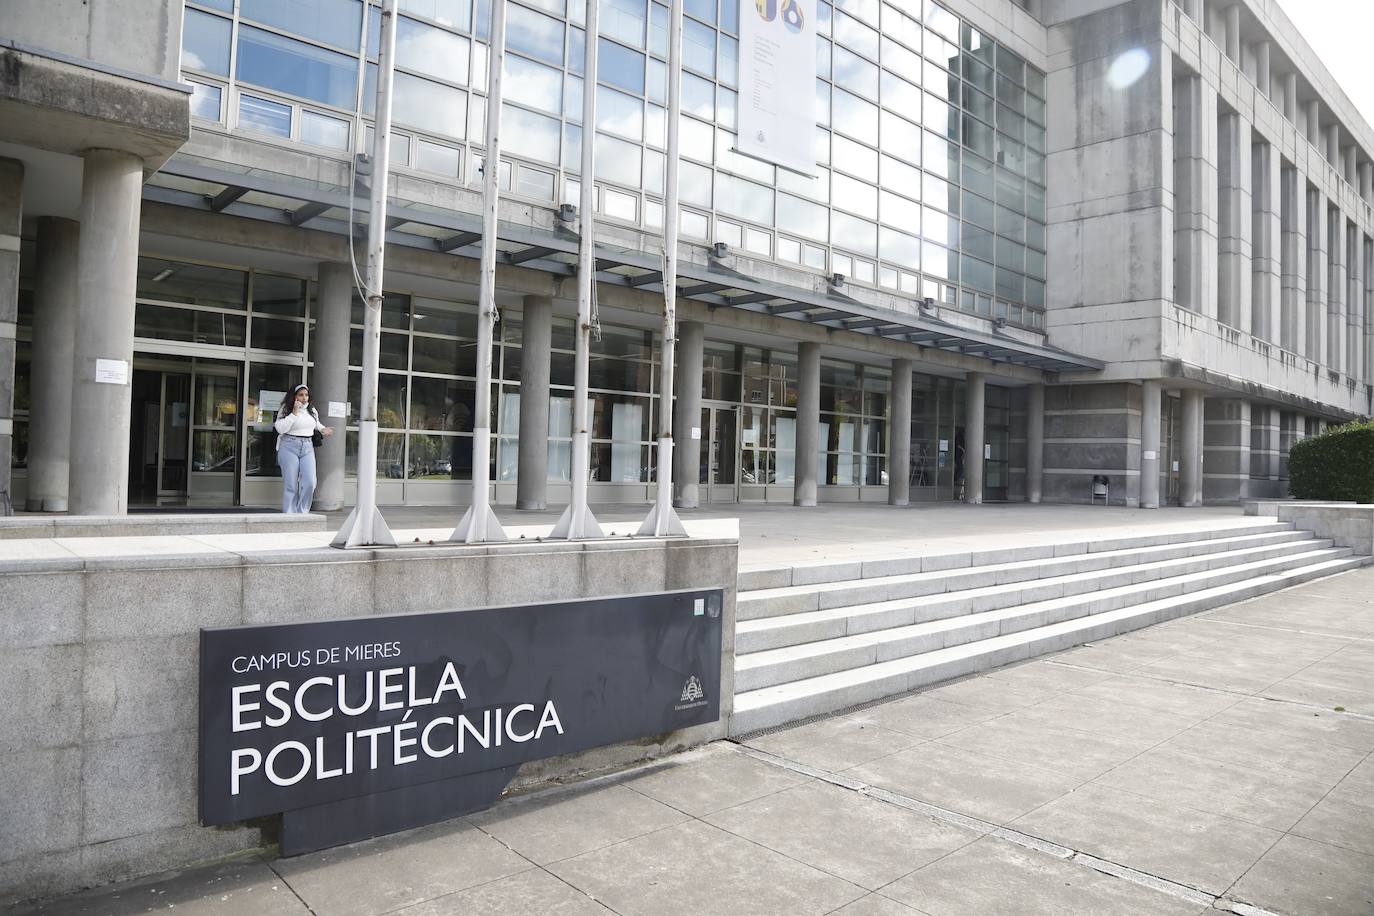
(226,197)
(790,307)
(529,254)
(702,288)
(653,276)
(748,299)
(460,240)
(859,324)
(304,214)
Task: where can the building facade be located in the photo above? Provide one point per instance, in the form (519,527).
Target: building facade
(1050,250)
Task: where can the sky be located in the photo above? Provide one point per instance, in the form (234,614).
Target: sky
(1339,32)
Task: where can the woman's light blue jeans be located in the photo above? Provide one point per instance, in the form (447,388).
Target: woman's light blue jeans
(296,458)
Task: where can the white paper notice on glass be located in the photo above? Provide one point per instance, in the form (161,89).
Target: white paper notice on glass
(987,451)
(696,432)
(112,371)
(1175,465)
(777,70)
(944,445)
(1150,456)
(338,409)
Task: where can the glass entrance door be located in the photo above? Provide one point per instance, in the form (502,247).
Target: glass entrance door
(719,469)
(159,436)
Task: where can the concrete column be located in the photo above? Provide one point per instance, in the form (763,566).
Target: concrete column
(1333,143)
(50,385)
(107,267)
(1035,443)
(1226,450)
(974,412)
(1316,275)
(691,358)
(532,452)
(808,422)
(1290,96)
(11,216)
(1293,261)
(1233,221)
(1151,401)
(1233,32)
(1190,450)
(328,379)
(1348,160)
(1367,181)
(1355,306)
(899,435)
(1367,256)
(1289,432)
(1335,293)
(1314,122)
(1195,195)
(1266,276)
(1265,447)
(1262,73)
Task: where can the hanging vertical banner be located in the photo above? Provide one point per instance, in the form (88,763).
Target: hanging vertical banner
(777,79)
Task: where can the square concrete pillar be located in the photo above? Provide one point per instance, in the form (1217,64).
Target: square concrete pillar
(1313,127)
(1233,221)
(1367,272)
(1290,432)
(975,412)
(1264,453)
(1092,430)
(1332,147)
(1266,234)
(1317,269)
(1290,96)
(1226,450)
(1190,449)
(1195,195)
(899,435)
(11,215)
(1150,430)
(1334,356)
(1354,303)
(1293,261)
(1262,73)
(808,423)
(1232,33)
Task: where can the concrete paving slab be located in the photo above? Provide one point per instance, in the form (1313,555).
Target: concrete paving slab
(820,825)
(1300,690)
(1320,726)
(986,876)
(924,716)
(1098,716)
(398,870)
(695,869)
(548,828)
(243,886)
(992,692)
(1302,876)
(1343,818)
(875,905)
(1195,848)
(1272,799)
(1245,673)
(1267,749)
(1049,675)
(984,786)
(1136,692)
(833,744)
(532,891)
(1034,741)
(717,777)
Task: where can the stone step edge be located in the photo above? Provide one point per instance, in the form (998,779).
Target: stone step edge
(1013,611)
(835,571)
(942,664)
(747,605)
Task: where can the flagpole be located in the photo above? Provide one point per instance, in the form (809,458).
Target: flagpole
(479,524)
(577,520)
(663,520)
(365,526)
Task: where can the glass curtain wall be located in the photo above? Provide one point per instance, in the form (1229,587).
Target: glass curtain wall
(929,138)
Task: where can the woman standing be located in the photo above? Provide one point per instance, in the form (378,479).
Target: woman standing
(296,425)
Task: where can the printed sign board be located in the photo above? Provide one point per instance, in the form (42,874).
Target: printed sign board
(301,715)
(777,79)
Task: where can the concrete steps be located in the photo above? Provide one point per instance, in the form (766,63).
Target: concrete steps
(847,638)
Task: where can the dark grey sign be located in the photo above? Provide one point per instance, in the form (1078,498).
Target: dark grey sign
(302,716)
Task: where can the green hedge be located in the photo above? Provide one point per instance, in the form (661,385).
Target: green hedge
(1338,464)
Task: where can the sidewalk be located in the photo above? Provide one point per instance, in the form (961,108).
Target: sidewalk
(1153,773)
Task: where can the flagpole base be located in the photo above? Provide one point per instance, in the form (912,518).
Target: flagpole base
(351,535)
(586,525)
(479,525)
(662,521)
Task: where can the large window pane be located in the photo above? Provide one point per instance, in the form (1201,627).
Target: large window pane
(429,106)
(624,20)
(194,284)
(456,13)
(296,68)
(533,84)
(431,51)
(442,404)
(264,115)
(854,73)
(205,43)
(619,66)
(855,117)
(619,113)
(534,34)
(699,47)
(332,22)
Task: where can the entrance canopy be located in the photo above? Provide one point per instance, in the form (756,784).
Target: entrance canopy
(188,182)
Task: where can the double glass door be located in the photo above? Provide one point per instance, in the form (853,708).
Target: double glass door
(719,449)
(183,446)
(159,437)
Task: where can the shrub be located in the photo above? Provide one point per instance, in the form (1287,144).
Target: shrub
(1338,464)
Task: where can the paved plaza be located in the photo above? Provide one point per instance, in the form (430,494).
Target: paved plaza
(1216,762)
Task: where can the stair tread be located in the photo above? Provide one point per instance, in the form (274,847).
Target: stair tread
(767,696)
(765,594)
(803,618)
(820,647)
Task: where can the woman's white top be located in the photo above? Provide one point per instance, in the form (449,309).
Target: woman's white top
(298,423)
